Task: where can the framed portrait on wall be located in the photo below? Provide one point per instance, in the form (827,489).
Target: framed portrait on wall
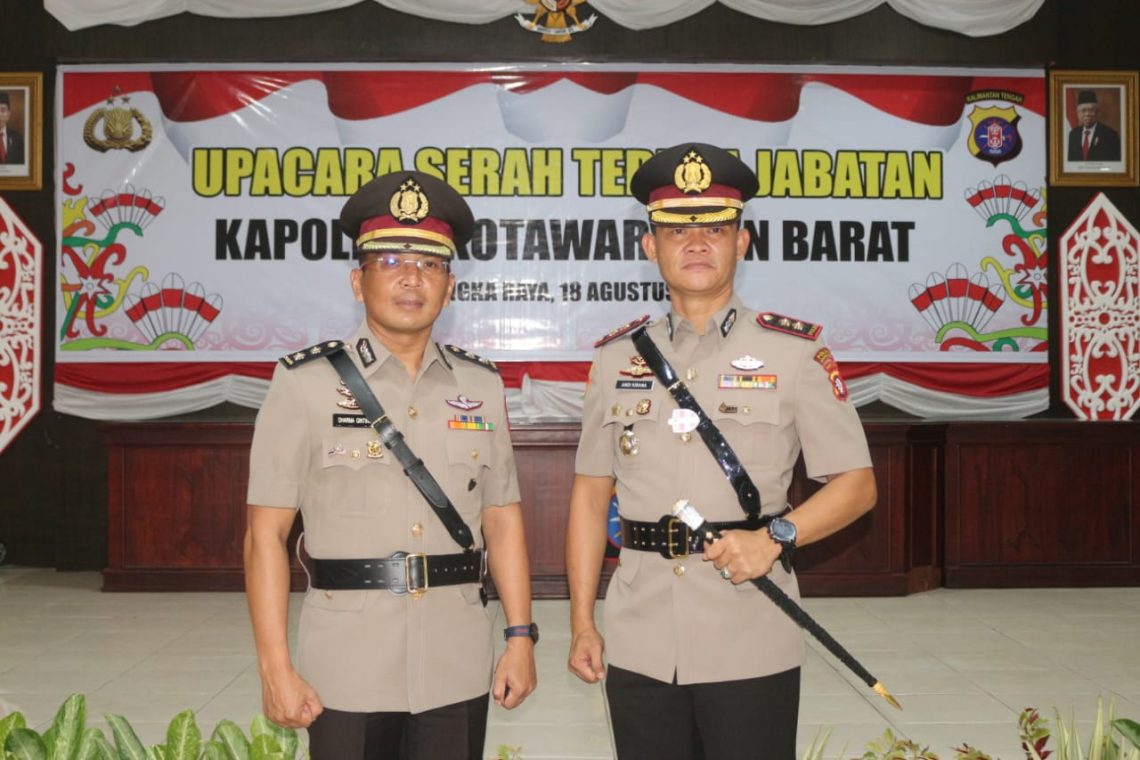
(21,130)
(1093,128)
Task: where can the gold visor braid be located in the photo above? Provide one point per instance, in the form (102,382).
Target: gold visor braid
(710,217)
(699,202)
(373,240)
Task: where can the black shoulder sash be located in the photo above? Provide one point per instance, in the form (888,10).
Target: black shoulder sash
(746,492)
(393,439)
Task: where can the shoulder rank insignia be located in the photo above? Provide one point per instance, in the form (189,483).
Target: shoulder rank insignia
(463,353)
(613,335)
(297,358)
(789,325)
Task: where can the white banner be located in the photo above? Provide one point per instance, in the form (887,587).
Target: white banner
(903,209)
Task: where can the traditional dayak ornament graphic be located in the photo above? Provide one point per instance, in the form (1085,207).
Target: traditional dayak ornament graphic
(993,133)
(169,316)
(21,266)
(1100,314)
(555,20)
(112,127)
(958,306)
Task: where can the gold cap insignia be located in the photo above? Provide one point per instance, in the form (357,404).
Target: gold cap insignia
(409,205)
(692,175)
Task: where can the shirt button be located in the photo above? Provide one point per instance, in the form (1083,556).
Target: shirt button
(417,530)
(691,374)
(328,594)
(474,453)
(412,413)
(678,570)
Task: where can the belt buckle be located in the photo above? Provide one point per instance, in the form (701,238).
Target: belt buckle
(414,591)
(671,530)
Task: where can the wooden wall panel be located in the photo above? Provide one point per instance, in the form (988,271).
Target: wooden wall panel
(890,550)
(544,455)
(1042,504)
(176,507)
(177,503)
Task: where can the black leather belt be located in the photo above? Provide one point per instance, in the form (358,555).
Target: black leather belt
(401,573)
(672,538)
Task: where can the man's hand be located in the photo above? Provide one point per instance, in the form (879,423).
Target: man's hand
(288,700)
(746,554)
(515,674)
(586,650)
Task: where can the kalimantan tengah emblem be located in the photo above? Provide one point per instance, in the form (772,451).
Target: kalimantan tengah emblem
(409,204)
(993,129)
(119,123)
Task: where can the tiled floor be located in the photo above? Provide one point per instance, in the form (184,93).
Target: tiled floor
(963,664)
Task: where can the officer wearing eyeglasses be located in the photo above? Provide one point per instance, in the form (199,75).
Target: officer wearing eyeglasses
(394,651)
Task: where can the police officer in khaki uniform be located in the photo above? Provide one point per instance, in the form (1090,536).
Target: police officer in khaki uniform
(701,663)
(394,652)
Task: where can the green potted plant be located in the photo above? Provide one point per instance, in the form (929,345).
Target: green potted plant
(69,738)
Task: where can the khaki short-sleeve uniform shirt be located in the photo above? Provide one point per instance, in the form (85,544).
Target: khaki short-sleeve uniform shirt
(370,650)
(772,394)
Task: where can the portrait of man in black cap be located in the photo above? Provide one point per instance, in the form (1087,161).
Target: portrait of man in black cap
(1091,139)
(11,140)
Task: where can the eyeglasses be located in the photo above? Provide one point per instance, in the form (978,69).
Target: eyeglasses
(391,264)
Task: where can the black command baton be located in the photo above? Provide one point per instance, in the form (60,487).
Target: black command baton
(688,514)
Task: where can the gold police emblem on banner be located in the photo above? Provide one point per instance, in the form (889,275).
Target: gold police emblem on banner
(118,127)
(409,204)
(692,174)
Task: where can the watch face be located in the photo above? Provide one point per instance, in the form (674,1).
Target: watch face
(782,530)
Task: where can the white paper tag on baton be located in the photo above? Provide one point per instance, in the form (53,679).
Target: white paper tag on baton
(684,421)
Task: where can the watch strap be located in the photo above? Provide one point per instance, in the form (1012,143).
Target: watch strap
(529,630)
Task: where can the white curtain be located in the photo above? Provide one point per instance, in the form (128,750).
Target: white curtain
(976,18)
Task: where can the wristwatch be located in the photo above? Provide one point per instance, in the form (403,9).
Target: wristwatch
(783,532)
(521,630)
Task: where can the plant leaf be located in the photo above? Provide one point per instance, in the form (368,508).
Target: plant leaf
(1129,729)
(230,736)
(89,745)
(286,737)
(265,747)
(183,737)
(106,751)
(156,752)
(25,744)
(67,728)
(48,738)
(130,748)
(214,750)
(7,723)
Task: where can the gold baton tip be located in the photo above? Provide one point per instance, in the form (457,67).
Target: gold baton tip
(882,692)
